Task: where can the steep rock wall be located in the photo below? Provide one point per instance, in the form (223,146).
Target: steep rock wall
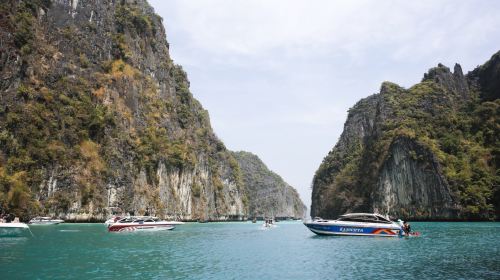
(411,183)
(96,119)
(269,195)
(427,152)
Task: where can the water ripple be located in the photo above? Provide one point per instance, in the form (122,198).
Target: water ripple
(244,251)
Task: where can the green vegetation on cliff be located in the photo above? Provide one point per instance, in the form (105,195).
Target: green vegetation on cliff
(453,116)
(269,195)
(93,110)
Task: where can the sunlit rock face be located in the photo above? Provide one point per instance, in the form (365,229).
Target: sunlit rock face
(96,119)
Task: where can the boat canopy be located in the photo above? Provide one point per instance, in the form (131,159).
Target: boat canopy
(138,219)
(364,217)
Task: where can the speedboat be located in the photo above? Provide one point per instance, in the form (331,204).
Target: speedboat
(361,224)
(142,224)
(13,229)
(45,221)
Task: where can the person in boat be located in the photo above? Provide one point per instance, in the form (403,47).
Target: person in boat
(9,218)
(406,228)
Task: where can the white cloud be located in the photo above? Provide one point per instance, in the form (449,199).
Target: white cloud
(254,28)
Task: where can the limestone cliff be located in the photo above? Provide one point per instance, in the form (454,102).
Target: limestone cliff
(268,194)
(96,119)
(427,152)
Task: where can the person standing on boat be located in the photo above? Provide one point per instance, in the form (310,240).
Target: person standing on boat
(406,228)
(8,218)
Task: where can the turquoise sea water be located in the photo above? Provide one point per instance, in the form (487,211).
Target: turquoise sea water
(246,251)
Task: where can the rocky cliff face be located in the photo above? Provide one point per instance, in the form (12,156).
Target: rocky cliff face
(427,152)
(96,119)
(269,195)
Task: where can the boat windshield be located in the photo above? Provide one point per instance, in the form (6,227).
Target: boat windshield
(364,219)
(138,219)
(41,219)
(125,220)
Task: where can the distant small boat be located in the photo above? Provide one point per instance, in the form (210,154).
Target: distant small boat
(359,224)
(13,229)
(142,224)
(268,226)
(45,221)
(268,223)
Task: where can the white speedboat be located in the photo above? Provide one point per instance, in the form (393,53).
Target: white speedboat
(142,224)
(361,224)
(45,221)
(13,229)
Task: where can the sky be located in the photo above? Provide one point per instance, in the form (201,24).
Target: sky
(278,76)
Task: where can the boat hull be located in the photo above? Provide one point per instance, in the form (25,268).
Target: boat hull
(13,229)
(45,223)
(353,230)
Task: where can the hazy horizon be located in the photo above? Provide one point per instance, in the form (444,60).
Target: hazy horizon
(278,77)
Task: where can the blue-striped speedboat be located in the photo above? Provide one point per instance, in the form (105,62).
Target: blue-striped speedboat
(362,224)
